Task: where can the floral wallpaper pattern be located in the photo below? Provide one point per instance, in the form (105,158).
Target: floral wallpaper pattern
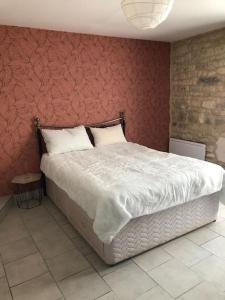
(68,78)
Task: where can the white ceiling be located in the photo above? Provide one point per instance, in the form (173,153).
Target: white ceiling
(105,17)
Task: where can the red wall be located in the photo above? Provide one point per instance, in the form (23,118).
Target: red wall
(73,78)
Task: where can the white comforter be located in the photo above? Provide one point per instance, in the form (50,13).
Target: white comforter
(116,183)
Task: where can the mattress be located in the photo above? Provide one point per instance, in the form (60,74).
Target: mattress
(142,233)
(117,183)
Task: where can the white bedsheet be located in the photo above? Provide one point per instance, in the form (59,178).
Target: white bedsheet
(118,182)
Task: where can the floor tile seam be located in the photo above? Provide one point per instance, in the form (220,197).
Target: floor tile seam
(6,277)
(49,271)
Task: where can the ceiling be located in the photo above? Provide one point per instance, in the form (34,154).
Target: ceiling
(105,17)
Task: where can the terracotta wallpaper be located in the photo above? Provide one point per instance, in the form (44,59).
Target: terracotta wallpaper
(67,78)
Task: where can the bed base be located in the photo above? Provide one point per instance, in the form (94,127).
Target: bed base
(140,234)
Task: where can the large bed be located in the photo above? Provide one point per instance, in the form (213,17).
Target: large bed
(125,199)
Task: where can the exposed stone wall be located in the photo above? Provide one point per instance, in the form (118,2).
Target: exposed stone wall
(198,92)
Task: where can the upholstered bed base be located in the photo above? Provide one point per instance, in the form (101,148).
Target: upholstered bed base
(142,233)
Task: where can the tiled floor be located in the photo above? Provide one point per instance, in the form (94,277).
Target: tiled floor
(44,258)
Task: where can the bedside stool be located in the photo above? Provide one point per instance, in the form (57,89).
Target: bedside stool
(28,191)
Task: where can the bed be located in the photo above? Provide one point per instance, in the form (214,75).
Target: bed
(139,228)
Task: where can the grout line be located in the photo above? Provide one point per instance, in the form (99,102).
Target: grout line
(49,271)
(219,234)
(70,237)
(45,259)
(146,272)
(194,264)
(171,258)
(125,266)
(105,295)
(194,286)
(16,240)
(22,257)
(74,274)
(6,277)
(200,245)
(202,259)
(167,291)
(92,266)
(15,285)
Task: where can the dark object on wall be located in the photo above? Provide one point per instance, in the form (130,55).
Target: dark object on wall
(209,80)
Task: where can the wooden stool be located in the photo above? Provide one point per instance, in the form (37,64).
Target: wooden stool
(28,190)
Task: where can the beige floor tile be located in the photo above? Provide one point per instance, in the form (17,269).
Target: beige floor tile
(47,203)
(152,259)
(24,269)
(212,269)
(12,233)
(203,291)
(52,208)
(155,293)
(85,285)
(36,215)
(201,236)
(108,296)
(216,246)
(59,217)
(218,227)
(13,218)
(4,289)
(69,230)
(101,267)
(129,282)
(82,245)
(66,264)
(186,251)
(39,288)
(38,212)
(18,249)
(60,244)
(47,231)
(174,277)
(54,245)
(33,223)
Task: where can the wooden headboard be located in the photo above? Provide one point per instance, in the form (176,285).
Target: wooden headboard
(38,126)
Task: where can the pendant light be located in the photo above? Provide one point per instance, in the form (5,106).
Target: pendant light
(146,14)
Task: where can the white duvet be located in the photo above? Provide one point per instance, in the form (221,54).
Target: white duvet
(118,182)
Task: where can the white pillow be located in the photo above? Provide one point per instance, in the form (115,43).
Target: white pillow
(108,135)
(66,140)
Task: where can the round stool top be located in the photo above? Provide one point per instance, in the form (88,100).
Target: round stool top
(27,178)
